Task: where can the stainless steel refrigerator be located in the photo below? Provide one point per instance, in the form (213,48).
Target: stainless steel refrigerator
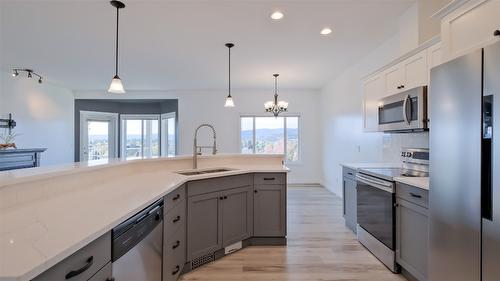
(464,97)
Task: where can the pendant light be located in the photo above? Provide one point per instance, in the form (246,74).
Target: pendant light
(276,107)
(229,98)
(116,86)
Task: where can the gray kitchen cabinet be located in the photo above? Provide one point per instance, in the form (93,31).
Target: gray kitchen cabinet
(174,234)
(204,224)
(237,215)
(83,264)
(350,198)
(269,206)
(412,236)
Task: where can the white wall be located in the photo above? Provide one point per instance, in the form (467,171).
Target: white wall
(197,107)
(44,116)
(342,137)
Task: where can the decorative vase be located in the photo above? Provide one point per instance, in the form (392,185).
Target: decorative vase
(7,145)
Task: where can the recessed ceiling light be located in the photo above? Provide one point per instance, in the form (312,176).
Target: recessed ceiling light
(326,31)
(277,15)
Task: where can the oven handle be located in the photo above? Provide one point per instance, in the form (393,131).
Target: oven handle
(405,110)
(384,186)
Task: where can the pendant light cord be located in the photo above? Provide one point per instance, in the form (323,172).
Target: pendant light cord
(229,72)
(275,89)
(116,53)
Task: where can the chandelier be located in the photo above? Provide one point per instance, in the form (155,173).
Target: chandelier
(276,107)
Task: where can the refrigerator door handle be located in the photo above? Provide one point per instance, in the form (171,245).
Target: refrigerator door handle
(487,158)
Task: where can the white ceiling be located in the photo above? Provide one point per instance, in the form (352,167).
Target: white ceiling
(179,45)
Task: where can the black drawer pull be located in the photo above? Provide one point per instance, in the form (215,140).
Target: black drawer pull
(177,244)
(178,218)
(415,195)
(269,179)
(225,197)
(255,191)
(496,33)
(110,279)
(349,173)
(73,273)
(221,198)
(177,268)
(176,197)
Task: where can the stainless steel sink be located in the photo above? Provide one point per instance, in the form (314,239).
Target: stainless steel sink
(201,172)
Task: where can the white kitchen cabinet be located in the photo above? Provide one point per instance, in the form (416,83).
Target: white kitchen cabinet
(468,25)
(374,90)
(415,71)
(434,56)
(393,79)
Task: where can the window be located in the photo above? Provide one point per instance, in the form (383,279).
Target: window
(270,135)
(140,136)
(168,134)
(98,135)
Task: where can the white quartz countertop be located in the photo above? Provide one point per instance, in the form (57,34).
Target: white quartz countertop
(46,214)
(371,165)
(420,182)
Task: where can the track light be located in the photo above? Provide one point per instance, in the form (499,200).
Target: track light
(16,72)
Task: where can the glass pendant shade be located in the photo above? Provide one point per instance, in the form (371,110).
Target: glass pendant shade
(229,102)
(116,86)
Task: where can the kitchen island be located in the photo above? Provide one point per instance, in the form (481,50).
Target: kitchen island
(48,214)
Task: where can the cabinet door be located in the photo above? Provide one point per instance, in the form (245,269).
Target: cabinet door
(269,210)
(373,91)
(105,274)
(350,204)
(394,79)
(204,225)
(237,215)
(412,238)
(416,71)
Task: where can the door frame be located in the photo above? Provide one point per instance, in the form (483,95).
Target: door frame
(112,118)
(164,133)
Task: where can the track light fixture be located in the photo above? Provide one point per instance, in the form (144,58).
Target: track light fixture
(30,73)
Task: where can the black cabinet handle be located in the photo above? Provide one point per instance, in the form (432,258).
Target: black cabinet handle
(177,244)
(178,218)
(269,179)
(73,273)
(177,268)
(176,197)
(225,197)
(398,87)
(110,279)
(221,198)
(255,191)
(496,33)
(415,195)
(350,174)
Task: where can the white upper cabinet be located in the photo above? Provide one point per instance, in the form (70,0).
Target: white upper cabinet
(468,25)
(416,71)
(374,90)
(394,79)
(434,56)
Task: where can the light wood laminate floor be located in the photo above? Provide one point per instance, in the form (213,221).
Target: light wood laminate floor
(320,247)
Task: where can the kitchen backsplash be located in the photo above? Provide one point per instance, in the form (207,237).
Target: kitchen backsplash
(393,143)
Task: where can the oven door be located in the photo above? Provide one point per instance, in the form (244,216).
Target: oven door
(404,111)
(376,210)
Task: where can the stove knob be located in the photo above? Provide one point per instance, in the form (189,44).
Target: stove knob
(408,154)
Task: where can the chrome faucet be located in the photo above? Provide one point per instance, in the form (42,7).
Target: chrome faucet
(197,149)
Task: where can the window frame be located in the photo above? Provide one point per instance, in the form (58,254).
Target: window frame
(299,134)
(123,132)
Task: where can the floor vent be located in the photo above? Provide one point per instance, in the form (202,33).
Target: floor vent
(202,260)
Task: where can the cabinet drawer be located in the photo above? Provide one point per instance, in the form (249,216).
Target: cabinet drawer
(349,173)
(174,247)
(218,184)
(175,219)
(172,199)
(413,194)
(172,267)
(105,274)
(83,264)
(270,178)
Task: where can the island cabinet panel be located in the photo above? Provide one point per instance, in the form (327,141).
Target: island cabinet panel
(83,264)
(269,206)
(237,215)
(174,234)
(204,224)
(412,231)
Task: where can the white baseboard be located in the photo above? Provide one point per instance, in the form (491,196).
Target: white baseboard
(304,184)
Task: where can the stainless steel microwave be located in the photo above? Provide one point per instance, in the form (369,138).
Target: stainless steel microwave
(404,112)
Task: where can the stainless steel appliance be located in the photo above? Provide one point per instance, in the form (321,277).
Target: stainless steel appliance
(138,246)
(376,204)
(404,112)
(465,189)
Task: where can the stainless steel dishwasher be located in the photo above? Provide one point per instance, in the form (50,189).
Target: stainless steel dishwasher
(137,247)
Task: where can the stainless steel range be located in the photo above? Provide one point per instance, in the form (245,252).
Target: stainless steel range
(376,203)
